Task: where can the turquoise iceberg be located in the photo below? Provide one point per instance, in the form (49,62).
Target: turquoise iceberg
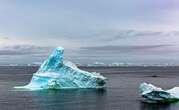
(55,73)
(153,94)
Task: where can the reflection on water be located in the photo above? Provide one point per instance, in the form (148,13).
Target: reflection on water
(147,106)
(70,99)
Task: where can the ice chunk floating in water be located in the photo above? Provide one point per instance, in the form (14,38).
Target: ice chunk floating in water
(55,73)
(153,94)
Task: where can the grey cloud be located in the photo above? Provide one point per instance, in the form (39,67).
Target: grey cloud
(115,35)
(148,33)
(24,50)
(123,48)
(173,33)
(4,38)
(122,34)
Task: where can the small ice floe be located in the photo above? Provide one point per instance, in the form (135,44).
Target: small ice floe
(55,73)
(153,94)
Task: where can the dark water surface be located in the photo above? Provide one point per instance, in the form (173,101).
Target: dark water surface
(121,92)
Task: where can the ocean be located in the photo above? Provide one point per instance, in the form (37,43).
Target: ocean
(121,92)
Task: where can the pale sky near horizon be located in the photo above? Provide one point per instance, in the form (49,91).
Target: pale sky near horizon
(137,31)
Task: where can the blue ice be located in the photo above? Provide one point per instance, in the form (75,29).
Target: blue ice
(55,73)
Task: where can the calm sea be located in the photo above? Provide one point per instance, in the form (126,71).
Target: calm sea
(121,91)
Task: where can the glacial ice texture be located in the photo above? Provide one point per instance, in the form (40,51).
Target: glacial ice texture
(153,94)
(54,73)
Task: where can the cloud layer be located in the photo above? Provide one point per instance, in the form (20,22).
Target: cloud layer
(24,50)
(126,48)
(124,30)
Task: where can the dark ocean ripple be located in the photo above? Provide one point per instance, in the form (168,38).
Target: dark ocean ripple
(121,92)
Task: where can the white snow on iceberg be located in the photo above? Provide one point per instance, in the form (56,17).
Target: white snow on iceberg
(153,94)
(55,73)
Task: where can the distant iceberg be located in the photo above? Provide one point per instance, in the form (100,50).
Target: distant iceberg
(96,64)
(55,73)
(153,94)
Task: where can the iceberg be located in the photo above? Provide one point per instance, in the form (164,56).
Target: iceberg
(55,73)
(153,94)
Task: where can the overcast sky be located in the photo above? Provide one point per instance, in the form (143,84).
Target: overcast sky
(132,31)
